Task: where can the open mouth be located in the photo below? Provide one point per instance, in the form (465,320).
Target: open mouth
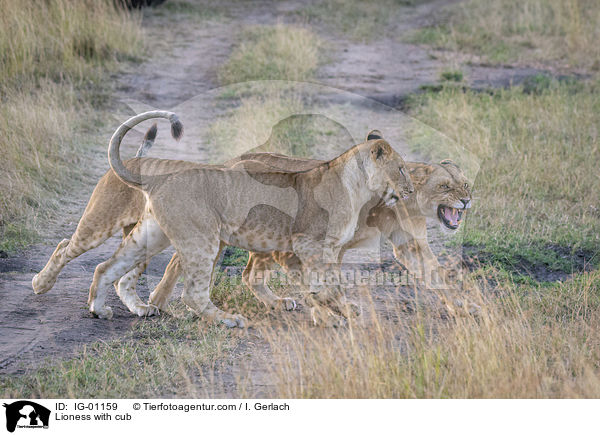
(451,217)
(390,198)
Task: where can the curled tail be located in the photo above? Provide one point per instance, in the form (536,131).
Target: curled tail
(114,155)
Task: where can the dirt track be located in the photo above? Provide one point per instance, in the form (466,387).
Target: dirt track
(183,64)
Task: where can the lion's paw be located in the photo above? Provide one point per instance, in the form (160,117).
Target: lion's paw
(326,318)
(146,310)
(236,321)
(351,310)
(287,304)
(104,312)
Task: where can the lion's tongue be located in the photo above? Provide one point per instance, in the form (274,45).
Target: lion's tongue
(451,215)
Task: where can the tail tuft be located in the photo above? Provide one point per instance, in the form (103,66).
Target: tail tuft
(176,128)
(134,179)
(148,141)
(151,133)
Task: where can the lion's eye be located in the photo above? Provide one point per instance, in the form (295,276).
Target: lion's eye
(466,185)
(444,186)
(401,171)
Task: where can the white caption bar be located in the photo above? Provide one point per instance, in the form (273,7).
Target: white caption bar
(158,416)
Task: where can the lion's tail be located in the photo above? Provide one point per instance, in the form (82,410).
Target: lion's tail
(148,141)
(114,155)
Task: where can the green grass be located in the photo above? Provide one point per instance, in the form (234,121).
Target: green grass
(249,124)
(562,301)
(362,21)
(182,10)
(306,136)
(535,194)
(561,32)
(277,52)
(235,257)
(230,294)
(189,9)
(16,236)
(452,75)
(161,357)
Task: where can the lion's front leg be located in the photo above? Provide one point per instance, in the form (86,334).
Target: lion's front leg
(421,263)
(322,276)
(256,276)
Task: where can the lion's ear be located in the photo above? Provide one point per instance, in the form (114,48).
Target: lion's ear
(374,134)
(420,172)
(380,150)
(448,162)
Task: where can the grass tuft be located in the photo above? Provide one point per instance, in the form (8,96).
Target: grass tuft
(452,75)
(358,20)
(63,38)
(277,52)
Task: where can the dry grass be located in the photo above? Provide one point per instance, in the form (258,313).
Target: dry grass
(563,32)
(277,121)
(527,343)
(362,21)
(170,356)
(538,184)
(277,52)
(52,55)
(37,152)
(63,38)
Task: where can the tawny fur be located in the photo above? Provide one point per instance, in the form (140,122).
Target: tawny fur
(199,208)
(115,205)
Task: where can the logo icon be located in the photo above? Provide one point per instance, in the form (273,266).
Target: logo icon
(26,414)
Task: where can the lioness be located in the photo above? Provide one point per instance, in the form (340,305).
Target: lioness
(200,208)
(114,206)
(442,192)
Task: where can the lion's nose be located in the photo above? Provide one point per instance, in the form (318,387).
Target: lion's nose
(465,201)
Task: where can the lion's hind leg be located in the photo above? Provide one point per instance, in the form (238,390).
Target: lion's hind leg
(146,240)
(45,279)
(128,295)
(326,296)
(66,250)
(160,296)
(91,232)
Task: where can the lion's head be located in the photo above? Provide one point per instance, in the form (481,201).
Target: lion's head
(442,192)
(387,171)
